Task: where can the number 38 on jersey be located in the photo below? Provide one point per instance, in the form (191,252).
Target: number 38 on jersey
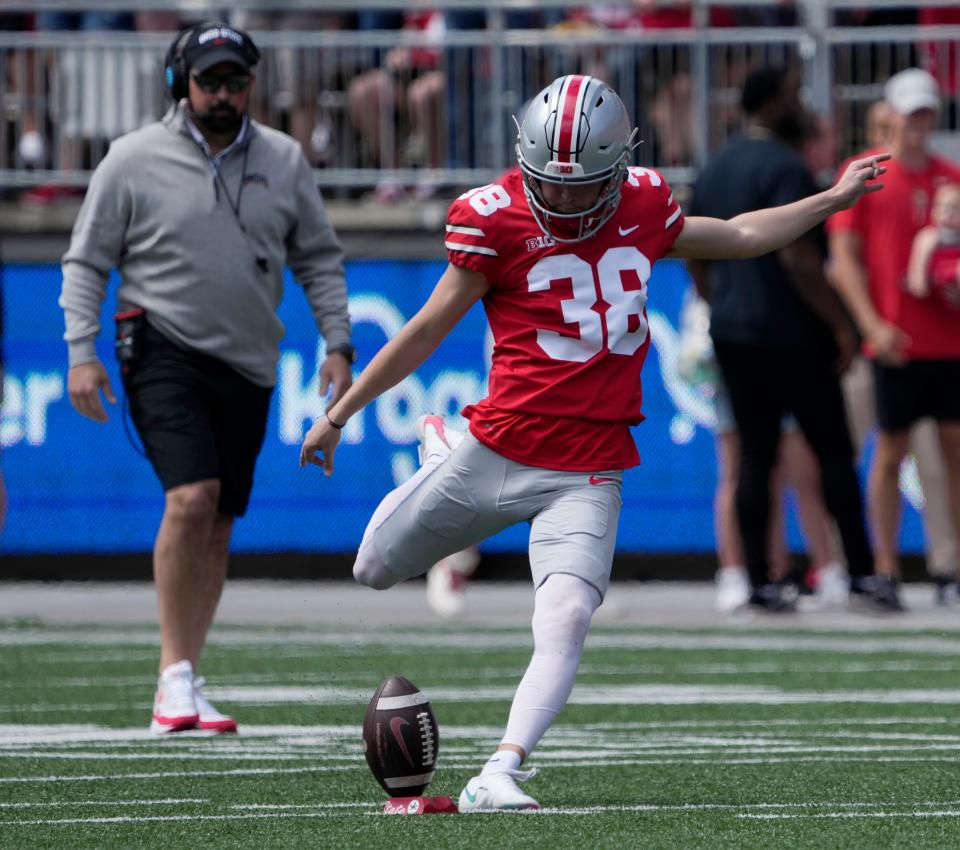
(599,285)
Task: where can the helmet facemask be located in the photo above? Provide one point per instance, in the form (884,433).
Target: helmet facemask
(576,131)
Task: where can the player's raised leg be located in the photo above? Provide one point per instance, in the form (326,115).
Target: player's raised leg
(442,509)
(447,579)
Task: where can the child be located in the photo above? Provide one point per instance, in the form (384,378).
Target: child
(935,257)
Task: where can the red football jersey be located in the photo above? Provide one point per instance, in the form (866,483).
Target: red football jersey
(569,322)
(887,223)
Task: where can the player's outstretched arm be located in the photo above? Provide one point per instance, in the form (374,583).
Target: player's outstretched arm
(456,292)
(762,231)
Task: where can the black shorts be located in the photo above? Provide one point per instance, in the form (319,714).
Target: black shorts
(198,419)
(920,389)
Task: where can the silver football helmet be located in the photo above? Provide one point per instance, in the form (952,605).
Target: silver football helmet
(575,131)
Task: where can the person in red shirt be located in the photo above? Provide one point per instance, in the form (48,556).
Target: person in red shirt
(914,343)
(935,255)
(560,252)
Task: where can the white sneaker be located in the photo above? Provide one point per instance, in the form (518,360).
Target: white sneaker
(209,717)
(833,585)
(447,582)
(436,438)
(32,148)
(175,707)
(733,589)
(497,792)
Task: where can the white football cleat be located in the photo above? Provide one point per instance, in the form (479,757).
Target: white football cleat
(209,718)
(498,792)
(833,585)
(733,589)
(436,438)
(447,582)
(175,707)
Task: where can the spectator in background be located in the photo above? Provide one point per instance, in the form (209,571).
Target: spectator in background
(941,58)
(200,213)
(407,92)
(20,107)
(913,343)
(796,467)
(671,108)
(878,120)
(942,554)
(782,338)
(292,79)
(92,100)
(933,257)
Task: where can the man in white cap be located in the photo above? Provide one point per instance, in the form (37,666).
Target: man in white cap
(913,343)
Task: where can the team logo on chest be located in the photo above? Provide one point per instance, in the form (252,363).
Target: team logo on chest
(537,243)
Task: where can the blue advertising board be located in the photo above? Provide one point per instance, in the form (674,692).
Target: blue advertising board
(78,486)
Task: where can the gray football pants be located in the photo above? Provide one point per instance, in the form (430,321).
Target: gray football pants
(475,493)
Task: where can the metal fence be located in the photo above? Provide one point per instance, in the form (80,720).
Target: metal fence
(435,107)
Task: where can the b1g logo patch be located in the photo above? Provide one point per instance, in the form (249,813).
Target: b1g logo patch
(537,243)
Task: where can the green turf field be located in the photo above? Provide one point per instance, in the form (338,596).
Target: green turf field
(739,737)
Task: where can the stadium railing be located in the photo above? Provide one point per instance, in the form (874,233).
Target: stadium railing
(83,89)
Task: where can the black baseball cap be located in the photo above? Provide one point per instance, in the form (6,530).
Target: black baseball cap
(208,46)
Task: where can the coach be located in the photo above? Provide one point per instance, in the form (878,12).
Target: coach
(199,212)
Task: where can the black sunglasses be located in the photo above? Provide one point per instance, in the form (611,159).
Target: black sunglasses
(211,83)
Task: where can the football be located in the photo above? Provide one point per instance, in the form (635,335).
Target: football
(400,738)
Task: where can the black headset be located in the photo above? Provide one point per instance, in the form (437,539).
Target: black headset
(175,70)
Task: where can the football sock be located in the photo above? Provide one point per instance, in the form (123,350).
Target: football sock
(501,761)
(369,568)
(563,607)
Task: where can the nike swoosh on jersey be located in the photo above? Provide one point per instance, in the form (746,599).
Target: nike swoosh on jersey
(396,725)
(599,479)
(624,231)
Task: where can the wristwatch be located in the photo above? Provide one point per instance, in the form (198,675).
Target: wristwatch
(347,351)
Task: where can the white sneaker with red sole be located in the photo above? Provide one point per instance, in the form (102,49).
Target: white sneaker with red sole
(447,582)
(175,708)
(210,719)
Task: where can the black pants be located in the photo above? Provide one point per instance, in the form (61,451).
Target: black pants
(765,383)
(198,419)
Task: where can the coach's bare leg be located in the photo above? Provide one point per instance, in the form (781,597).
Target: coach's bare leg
(213,577)
(884,490)
(181,565)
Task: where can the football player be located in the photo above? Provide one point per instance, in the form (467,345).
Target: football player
(560,252)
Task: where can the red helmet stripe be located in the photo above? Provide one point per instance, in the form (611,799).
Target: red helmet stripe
(569,124)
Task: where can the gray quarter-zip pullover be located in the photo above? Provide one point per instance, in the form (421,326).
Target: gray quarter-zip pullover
(203,254)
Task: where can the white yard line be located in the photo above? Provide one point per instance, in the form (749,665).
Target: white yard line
(282,806)
(167,818)
(67,803)
(346,809)
(170,774)
(720,759)
(946,813)
(702,807)
(287,737)
(483,640)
